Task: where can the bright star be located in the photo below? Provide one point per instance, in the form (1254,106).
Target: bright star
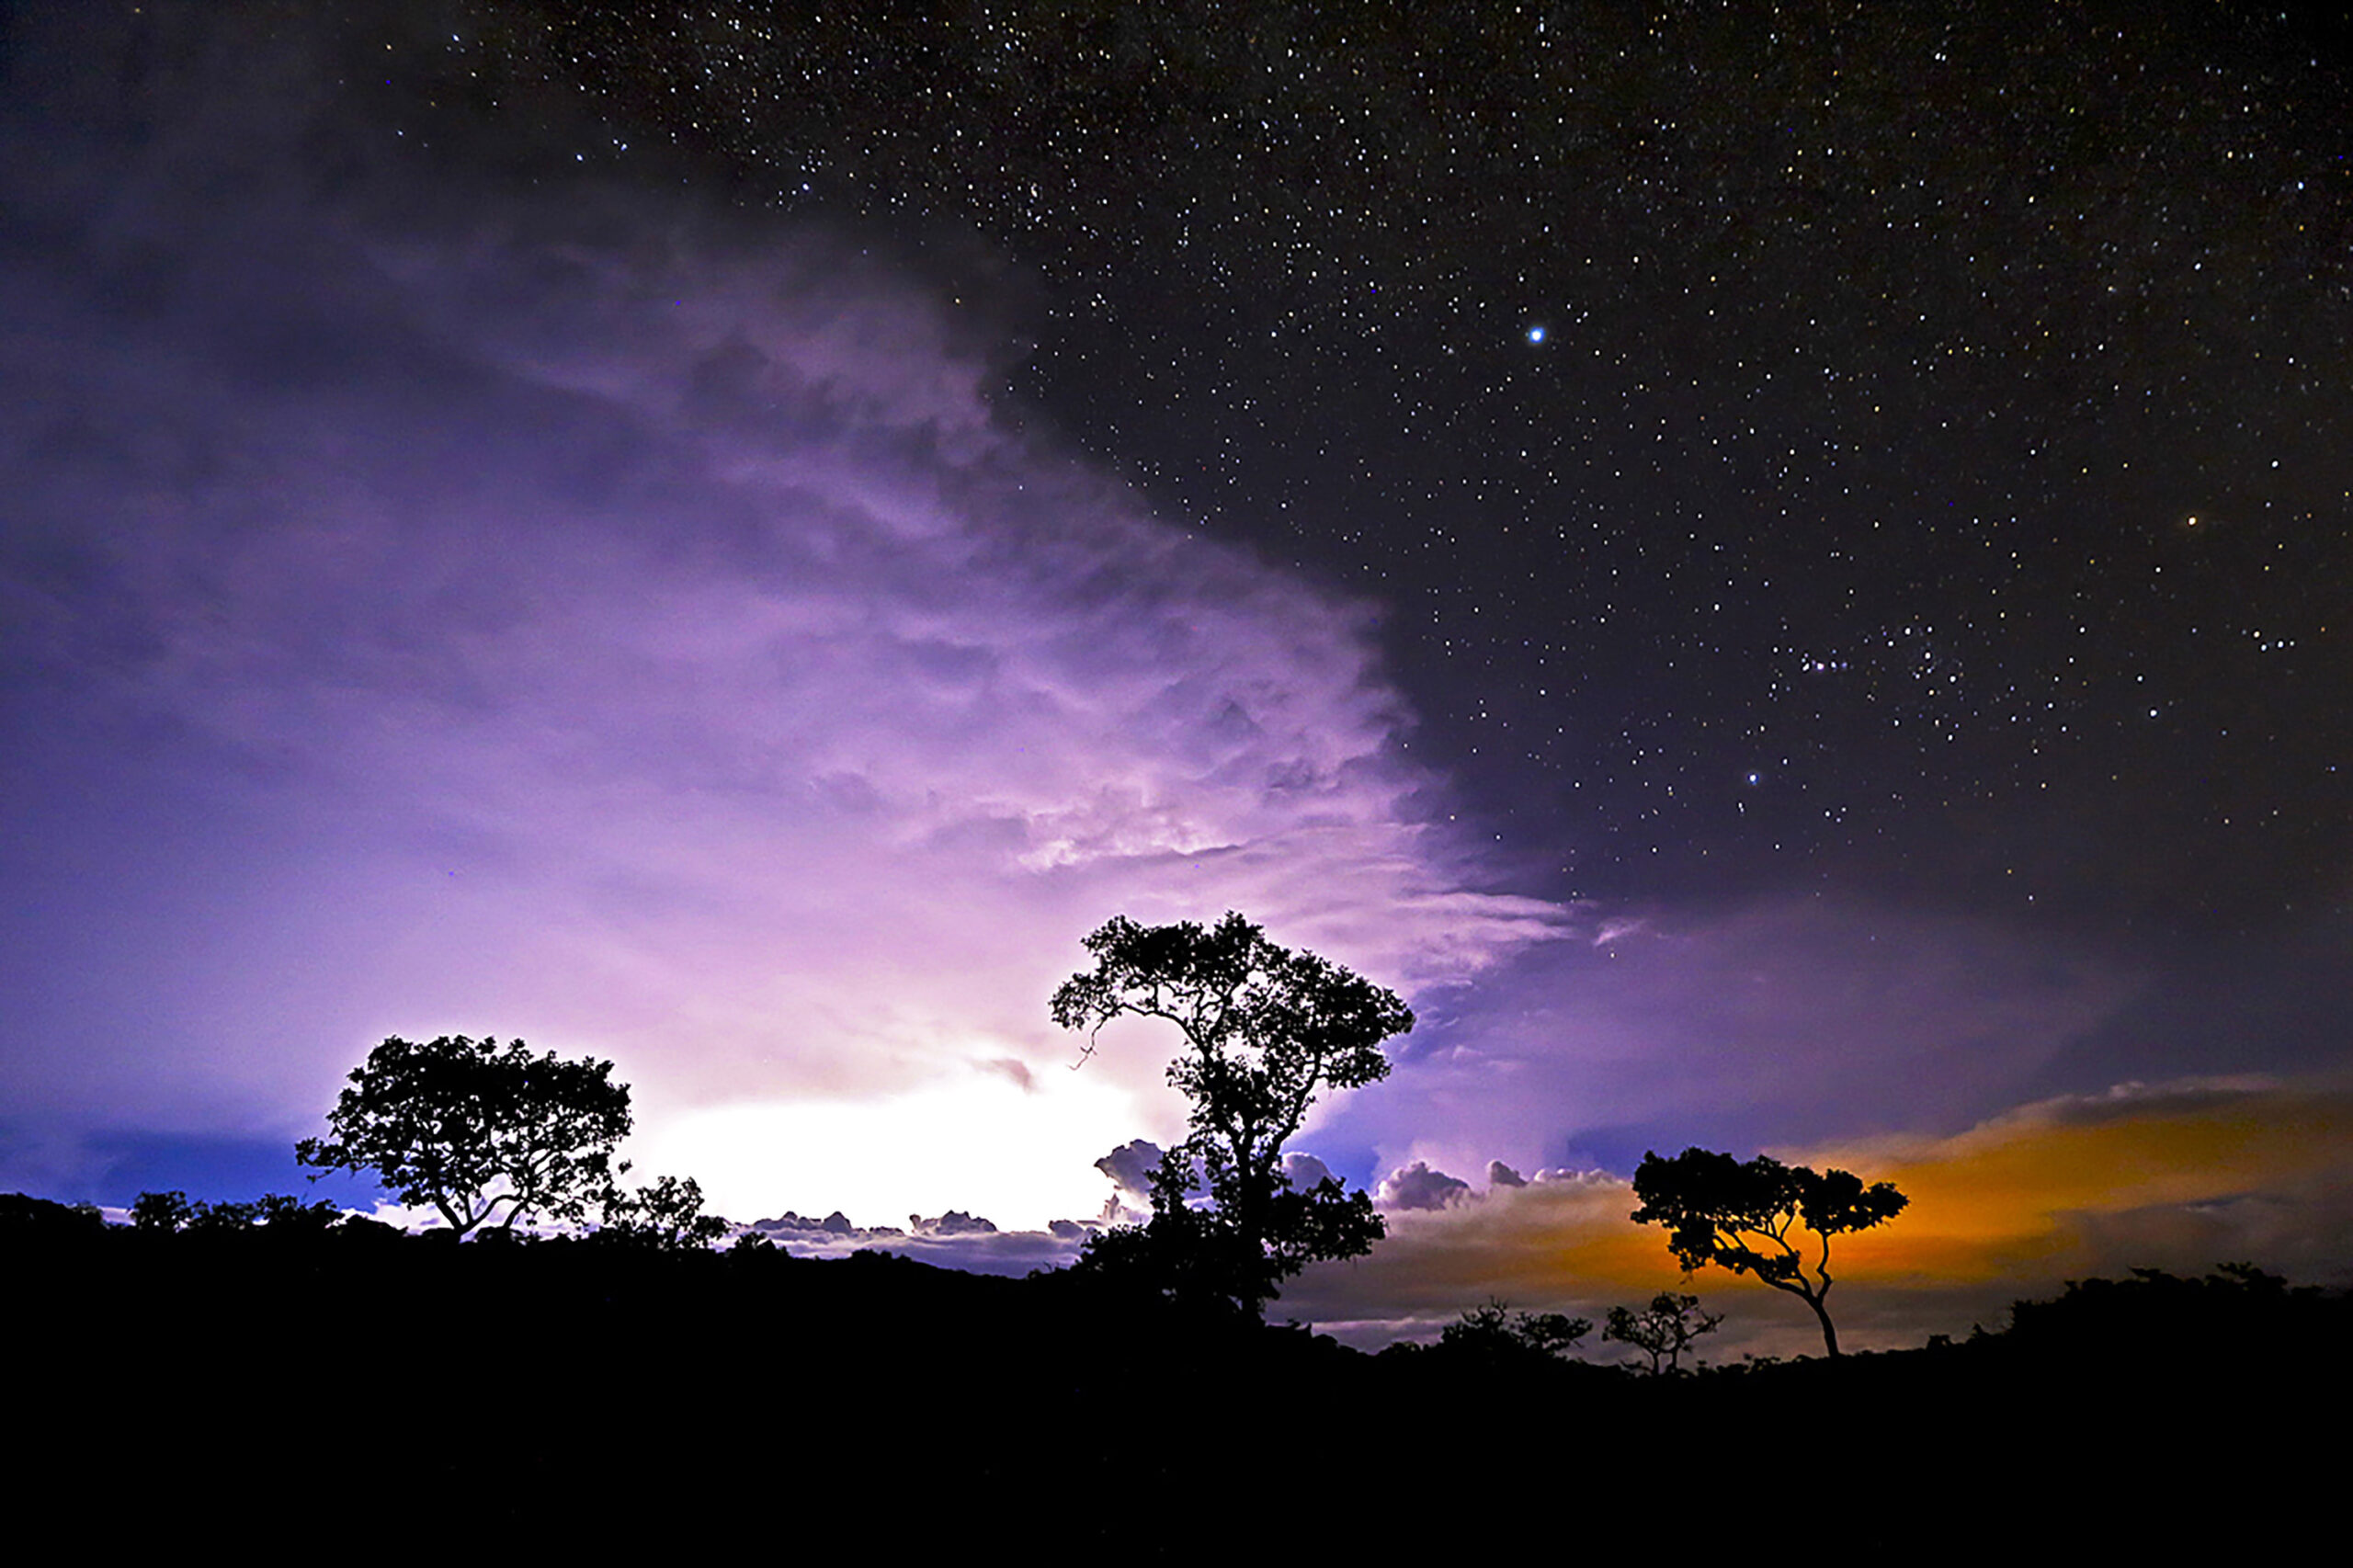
(1535,335)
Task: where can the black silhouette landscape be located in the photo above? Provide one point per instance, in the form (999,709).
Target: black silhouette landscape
(261,1383)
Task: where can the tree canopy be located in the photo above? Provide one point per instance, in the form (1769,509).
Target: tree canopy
(664,1215)
(471,1126)
(1266,1030)
(1742,1217)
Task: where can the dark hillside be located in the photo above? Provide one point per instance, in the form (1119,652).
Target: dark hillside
(401,1391)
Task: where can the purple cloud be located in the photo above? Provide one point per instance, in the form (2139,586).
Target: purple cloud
(642,635)
(1304,1170)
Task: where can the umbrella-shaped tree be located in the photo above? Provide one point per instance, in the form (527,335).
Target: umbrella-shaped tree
(471,1126)
(1743,1217)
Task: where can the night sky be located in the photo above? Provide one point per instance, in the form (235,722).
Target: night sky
(1781,571)
(1789,449)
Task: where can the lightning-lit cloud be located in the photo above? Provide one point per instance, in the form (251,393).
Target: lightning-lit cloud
(579,616)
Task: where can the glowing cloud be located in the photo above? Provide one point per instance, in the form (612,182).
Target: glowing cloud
(645,637)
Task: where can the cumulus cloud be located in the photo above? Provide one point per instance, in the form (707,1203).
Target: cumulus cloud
(584,617)
(953,1240)
(1306,1171)
(789,1225)
(1418,1187)
(1130,1168)
(955,1223)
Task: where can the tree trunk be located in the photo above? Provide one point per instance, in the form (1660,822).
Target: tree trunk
(1829,1333)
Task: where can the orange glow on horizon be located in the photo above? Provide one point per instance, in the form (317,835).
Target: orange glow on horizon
(2014,1191)
(2181,1177)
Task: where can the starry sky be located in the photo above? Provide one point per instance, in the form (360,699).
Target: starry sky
(1781,571)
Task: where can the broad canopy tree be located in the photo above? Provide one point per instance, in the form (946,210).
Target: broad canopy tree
(470,1127)
(1265,1029)
(1742,1217)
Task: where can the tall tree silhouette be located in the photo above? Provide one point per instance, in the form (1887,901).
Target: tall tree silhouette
(1265,1029)
(1742,1217)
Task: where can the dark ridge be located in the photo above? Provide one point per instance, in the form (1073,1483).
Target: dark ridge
(407,1392)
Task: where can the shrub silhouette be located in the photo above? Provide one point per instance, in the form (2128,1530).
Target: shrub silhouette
(1497,1334)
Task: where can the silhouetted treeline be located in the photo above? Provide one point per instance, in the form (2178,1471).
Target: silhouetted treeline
(265,1383)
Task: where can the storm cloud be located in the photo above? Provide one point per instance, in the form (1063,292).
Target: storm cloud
(581,615)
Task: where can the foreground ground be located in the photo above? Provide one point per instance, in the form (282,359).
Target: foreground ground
(391,1392)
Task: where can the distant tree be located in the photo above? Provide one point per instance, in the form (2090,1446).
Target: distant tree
(1663,1330)
(162,1212)
(1494,1333)
(2148,1317)
(664,1215)
(1266,1030)
(286,1215)
(221,1219)
(1742,1217)
(471,1126)
(23,1217)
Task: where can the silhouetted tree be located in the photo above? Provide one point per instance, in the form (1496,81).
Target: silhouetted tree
(1741,1217)
(1663,1330)
(1493,1333)
(664,1215)
(2151,1316)
(221,1219)
(287,1215)
(172,1211)
(1265,1029)
(162,1212)
(24,1217)
(469,1125)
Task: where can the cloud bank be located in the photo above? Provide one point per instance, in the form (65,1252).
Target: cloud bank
(581,616)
